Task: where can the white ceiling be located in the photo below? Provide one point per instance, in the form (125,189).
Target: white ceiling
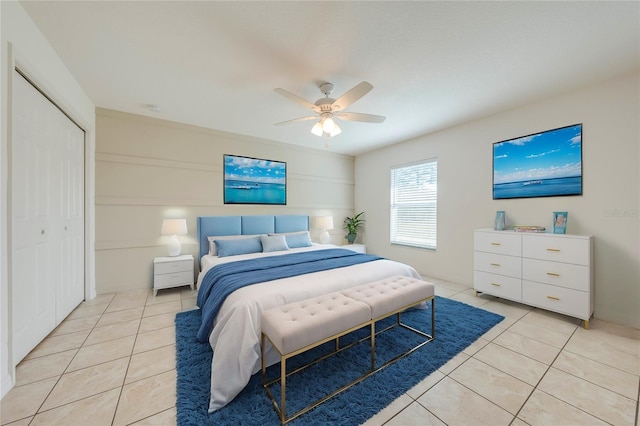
(432,64)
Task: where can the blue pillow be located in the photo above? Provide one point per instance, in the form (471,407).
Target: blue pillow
(298,240)
(240,246)
(273,243)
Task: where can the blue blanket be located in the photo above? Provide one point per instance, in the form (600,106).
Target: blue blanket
(221,280)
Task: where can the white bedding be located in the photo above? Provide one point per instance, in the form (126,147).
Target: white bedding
(235,338)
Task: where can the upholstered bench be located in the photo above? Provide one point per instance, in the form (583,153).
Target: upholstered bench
(298,327)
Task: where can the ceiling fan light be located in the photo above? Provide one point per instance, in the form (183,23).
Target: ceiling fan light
(336,131)
(317,129)
(328,125)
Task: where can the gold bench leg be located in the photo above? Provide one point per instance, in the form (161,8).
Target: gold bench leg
(373,345)
(283,387)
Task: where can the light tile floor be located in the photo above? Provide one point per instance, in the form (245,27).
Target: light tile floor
(112,362)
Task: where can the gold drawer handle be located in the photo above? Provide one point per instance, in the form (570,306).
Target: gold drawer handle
(496,244)
(553,274)
(553,249)
(553,298)
(497,285)
(495,264)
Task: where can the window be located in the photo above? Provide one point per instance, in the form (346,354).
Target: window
(414,202)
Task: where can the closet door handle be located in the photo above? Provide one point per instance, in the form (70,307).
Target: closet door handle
(43,232)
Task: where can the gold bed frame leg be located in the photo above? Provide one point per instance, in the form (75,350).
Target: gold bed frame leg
(586,324)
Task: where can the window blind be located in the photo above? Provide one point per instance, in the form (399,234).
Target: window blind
(414,202)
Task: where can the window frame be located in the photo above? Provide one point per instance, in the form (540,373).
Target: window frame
(415,205)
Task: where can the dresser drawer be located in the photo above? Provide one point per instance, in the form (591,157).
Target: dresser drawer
(172,280)
(504,242)
(497,264)
(171,267)
(497,285)
(564,300)
(557,249)
(555,273)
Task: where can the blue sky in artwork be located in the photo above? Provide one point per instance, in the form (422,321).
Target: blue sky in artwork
(254,170)
(546,155)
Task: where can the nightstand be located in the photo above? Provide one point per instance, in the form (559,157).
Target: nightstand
(360,248)
(172,272)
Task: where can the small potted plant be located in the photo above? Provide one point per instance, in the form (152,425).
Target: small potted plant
(353,225)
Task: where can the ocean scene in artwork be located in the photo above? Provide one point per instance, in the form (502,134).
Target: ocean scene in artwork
(540,165)
(254,181)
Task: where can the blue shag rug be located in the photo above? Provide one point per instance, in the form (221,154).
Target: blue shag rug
(457,326)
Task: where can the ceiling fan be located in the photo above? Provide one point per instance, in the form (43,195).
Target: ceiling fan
(327,109)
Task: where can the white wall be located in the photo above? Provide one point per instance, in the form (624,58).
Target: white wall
(608,208)
(149,169)
(24,46)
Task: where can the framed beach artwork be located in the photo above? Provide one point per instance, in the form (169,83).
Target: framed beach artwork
(254,181)
(544,164)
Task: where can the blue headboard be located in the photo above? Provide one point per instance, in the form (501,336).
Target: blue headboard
(246,225)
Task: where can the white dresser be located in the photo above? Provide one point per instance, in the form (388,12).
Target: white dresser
(549,271)
(172,272)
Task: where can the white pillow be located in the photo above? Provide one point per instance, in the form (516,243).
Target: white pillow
(213,251)
(273,243)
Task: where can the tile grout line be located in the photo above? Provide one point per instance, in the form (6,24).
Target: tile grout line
(65,369)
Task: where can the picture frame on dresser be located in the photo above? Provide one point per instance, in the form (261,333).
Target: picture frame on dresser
(560,222)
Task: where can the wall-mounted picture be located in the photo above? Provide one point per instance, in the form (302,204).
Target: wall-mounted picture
(254,181)
(560,222)
(545,164)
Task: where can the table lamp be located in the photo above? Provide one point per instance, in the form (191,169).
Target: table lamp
(174,227)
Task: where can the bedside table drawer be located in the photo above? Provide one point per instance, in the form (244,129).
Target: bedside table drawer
(172,267)
(171,280)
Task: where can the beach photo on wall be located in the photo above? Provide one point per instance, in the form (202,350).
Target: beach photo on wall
(254,181)
(545,164)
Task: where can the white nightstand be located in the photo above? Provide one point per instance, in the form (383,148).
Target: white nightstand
(172,272)
(360,248)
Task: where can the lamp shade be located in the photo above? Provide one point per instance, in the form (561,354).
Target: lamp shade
(323,222)
(174,227)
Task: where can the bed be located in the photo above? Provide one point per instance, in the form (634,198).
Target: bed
(232,291)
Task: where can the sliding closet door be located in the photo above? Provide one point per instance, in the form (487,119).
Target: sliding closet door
(70,220)
(47,222)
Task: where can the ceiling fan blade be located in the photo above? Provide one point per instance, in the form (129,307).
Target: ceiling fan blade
(297,99)
(351,96)
(311,117)
(356,116)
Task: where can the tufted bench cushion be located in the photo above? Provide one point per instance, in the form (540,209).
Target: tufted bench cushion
(297,325)
(391,295)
